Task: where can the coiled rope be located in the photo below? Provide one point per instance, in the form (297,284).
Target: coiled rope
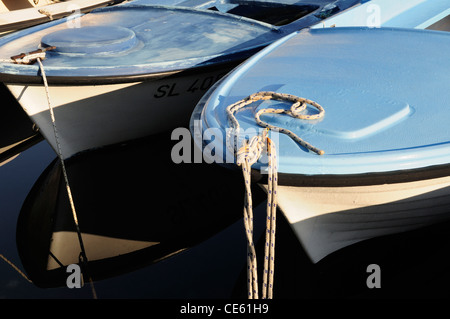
(299,105)
(246,156)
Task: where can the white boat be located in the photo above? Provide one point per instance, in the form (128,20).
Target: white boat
(132,70)
(384,133)
(20,14)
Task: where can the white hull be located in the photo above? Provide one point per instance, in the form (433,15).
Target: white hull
(326,219)
(94,116)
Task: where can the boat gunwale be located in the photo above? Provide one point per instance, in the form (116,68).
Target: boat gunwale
(12,79)
(361,179)
(193,10)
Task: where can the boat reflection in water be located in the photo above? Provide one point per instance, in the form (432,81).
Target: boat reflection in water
(134,205)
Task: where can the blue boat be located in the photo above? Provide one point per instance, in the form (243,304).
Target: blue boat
(132,70)
(369,155)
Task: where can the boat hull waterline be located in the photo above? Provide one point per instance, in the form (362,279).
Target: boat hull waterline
(113,113)
(327,219)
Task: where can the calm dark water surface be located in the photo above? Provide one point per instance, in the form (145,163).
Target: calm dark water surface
(193,212)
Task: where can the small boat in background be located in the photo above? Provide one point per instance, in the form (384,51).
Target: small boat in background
(417,14)
(132,70)
(382,124)
(17,132)
(21,14)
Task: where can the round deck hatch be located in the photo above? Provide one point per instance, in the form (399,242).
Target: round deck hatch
(91,40)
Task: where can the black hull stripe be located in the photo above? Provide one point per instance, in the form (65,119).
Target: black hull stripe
(403,176)
(105,80)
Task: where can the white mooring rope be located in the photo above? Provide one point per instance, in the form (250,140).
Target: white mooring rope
(83,256)
(246,156)
(30,58)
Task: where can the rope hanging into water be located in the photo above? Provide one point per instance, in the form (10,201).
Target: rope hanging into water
(246,156)
(245,160)
(252,275)
(15,268)
(269,247)
(82,257)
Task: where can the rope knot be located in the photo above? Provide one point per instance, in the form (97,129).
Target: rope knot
(31,57)
(250,151)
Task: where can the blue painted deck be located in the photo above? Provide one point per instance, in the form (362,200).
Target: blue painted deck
(384,90)
(131,39)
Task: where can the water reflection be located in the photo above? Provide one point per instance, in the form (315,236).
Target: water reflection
(134,206)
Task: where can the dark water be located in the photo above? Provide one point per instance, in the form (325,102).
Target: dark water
(193,211)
